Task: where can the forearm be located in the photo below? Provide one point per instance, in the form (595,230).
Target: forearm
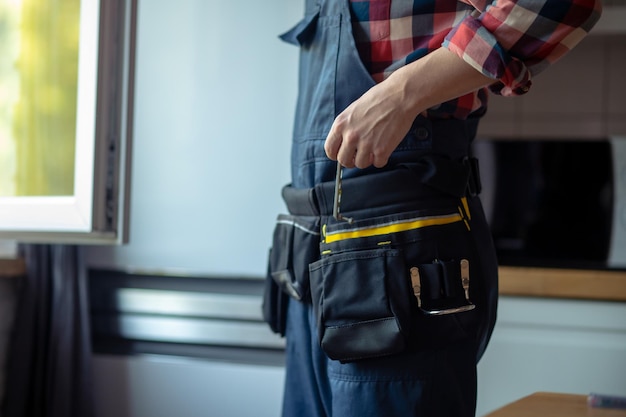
(435,79)
(513,41)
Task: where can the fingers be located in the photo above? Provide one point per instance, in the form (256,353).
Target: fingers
(344,149)
(351,151)
(347,153)
(363,159)
(344,146)
(332,144)
(379,161)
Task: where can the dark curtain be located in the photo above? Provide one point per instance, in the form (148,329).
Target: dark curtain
(49,360)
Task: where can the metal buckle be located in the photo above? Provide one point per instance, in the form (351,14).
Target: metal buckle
(337,200)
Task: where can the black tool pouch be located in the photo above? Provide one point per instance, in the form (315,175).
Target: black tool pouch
(295,245)
(392,283)
(357,312)
(274,307)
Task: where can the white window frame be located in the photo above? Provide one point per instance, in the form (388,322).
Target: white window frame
(97,211)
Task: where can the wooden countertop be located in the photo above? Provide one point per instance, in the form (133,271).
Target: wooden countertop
(563,283)
(546,404)
(514,281)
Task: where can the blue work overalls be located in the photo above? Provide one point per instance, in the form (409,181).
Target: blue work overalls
(432,380)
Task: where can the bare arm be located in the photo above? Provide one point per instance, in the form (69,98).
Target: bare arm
(369,130)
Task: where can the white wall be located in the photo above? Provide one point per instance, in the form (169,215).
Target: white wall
(215,95)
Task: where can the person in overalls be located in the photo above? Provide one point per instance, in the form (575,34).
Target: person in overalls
(383,276)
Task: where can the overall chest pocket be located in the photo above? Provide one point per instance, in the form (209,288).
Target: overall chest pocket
(318,39)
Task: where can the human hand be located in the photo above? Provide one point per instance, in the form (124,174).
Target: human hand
(370,129)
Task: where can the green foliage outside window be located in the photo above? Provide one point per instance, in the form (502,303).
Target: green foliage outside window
(43,117)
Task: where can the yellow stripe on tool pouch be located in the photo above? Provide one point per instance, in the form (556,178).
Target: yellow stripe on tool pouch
(393,227)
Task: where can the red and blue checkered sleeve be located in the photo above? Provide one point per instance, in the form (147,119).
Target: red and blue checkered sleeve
(513,40)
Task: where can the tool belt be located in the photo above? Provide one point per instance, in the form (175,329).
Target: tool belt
(394,278)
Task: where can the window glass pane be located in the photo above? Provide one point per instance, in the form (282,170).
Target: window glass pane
(38,96)
(62,169)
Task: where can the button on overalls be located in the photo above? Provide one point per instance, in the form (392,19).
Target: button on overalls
(424,382)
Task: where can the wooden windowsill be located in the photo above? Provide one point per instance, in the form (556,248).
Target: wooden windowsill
(12,268)
(563,283)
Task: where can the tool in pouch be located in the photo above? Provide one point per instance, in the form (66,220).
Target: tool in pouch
(337,200)
(429,308)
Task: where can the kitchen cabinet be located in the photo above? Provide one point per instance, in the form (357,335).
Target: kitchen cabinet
(556,345)
(539,344)
(165,386)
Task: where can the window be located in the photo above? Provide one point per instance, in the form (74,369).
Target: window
(65,119)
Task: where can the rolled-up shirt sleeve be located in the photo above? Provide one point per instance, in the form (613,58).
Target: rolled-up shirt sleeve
(511,41)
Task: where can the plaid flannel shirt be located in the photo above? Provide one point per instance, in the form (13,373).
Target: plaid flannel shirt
(507,40)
